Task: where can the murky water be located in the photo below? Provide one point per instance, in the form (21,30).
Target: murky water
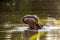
(18,35)
(10,36)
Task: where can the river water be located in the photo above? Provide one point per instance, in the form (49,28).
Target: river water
(18,35)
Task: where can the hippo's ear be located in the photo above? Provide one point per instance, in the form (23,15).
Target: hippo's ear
(41,26)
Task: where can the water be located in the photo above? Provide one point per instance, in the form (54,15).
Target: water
(17,34)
